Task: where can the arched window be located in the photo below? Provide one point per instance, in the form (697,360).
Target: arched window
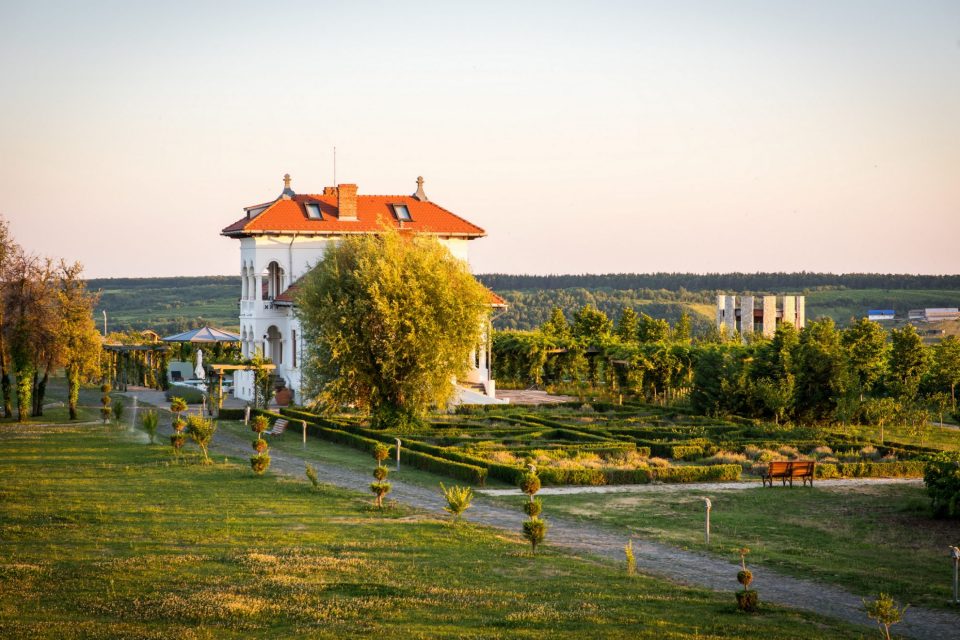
(274,345)
(275,281)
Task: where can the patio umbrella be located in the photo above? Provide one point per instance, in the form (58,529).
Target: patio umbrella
(199,372)
(204,334)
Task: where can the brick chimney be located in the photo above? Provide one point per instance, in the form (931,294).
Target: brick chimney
(347,201)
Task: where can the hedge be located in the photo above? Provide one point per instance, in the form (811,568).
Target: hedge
(905,469)
(231,414)
(711,473)
(686,452)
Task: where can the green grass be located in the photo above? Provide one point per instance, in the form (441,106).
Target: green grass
(103,536)
(867,539)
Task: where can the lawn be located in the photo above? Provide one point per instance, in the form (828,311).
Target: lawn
(103,536)
(865,538)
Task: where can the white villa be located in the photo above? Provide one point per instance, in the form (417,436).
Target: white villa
(282,239)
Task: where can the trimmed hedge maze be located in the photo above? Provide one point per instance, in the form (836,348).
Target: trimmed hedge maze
(577,444)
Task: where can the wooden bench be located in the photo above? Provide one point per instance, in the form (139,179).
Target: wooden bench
(279,426)
(787,470)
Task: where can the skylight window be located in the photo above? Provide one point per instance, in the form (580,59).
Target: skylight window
(401,212)
(313,211)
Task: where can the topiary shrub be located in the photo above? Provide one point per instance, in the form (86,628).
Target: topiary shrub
(177,440)
(535,530)
(260,463)
(118,408)
(380,488)
(259,445)
(533,508)
(747,600)
(312,476)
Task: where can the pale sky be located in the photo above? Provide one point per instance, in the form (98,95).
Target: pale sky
(583,136)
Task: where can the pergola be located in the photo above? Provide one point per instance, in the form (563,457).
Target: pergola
(131,362)
(219,369)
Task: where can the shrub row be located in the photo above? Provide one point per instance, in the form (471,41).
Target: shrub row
(230,414)
(908,469)
(584,476)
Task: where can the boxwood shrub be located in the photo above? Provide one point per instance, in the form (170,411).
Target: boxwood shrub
(903,469)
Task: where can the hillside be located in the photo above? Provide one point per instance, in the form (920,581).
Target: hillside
(173,304)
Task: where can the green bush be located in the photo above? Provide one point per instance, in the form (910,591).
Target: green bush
(150,420)
(260,463)
(535,530)
(711,473)
(192,395)
(579,476)
(686,452)
(903,469)
(230,414)
(942,478)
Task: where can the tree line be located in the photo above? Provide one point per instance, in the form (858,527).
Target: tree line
(777,281)
(46,323)
(818,374)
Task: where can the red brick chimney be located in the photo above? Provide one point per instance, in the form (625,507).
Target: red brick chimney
(347,201)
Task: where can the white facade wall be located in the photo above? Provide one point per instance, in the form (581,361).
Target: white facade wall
(730,315)
(790,310)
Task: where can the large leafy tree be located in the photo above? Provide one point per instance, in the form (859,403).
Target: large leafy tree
(8,250)
(590,325)
(652,329)
(908,361)
(946,365)
(866,345)
(822,377)
(627,325)
(389,320)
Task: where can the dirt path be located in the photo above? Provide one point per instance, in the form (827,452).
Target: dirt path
(677,565)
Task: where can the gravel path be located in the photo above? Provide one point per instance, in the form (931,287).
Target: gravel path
(677,565)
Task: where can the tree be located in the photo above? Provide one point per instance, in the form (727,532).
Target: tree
(652,329)
(946,365)
(627,325)
(885,612)
(8,249)
(80,339)
(590,325)
(908,361)
(682,330)
(556,327)
(201,431)
(866,345)
(880,411)
(389,321)
(821,372)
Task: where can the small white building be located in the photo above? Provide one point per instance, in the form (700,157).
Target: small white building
(282,239)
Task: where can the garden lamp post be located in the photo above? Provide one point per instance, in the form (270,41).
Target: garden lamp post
(246,416)
(133,420)
(955,555)
(304,424)
(708,505)
(398,453)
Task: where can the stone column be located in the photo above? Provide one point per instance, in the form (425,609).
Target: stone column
(769,315)
(790,310)
(746,315)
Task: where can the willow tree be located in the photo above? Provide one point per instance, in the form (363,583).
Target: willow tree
(389,321)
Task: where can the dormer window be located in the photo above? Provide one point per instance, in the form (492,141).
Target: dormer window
(401,212)
(313,211)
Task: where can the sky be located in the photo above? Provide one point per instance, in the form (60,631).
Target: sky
(584,137)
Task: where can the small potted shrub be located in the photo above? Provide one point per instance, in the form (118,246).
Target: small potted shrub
(534,529)
(747,600)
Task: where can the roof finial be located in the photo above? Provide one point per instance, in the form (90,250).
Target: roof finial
(420,195)
(287,191)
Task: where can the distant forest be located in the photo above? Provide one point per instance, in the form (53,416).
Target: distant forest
(747,282)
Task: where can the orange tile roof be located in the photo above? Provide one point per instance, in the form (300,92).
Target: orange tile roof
(373,214)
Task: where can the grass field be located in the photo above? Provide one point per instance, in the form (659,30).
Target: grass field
(865,538)
(104,537)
